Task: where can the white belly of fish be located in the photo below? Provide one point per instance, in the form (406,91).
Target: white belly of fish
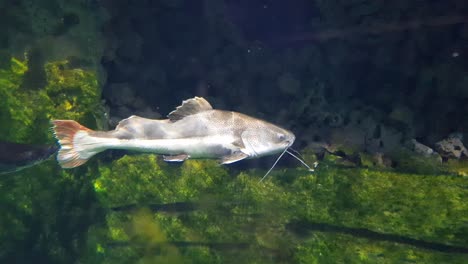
(197,147)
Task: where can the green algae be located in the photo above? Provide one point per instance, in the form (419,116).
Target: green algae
(338,248)
(69,93)
(232,217)
(46,211)
(142,179)
(237,218)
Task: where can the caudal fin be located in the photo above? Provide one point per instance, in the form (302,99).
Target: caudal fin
(76,146)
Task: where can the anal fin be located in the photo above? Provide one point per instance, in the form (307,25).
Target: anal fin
(234,157)
(175,158)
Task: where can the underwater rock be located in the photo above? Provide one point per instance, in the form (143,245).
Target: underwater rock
(419,148)
(381,160)
(363,132)
(69,93)
(452,147)
(354,135)
(348,139)
(385,139)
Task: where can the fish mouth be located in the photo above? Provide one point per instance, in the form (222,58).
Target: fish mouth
(287,145)
(290,142)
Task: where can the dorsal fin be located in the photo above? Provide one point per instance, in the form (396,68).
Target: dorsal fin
(189,107)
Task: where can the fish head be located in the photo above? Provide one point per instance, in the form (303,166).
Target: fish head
(266,139)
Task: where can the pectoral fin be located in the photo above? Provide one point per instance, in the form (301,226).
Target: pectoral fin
(175,158)
(236,156)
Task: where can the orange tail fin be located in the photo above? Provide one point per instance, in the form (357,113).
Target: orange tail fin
(70,135)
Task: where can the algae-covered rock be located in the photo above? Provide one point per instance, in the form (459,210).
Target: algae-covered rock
(342,248)
(69,93)
(451,147)
(405,160)
(142,179)
(200,211)
(419,148)
(15,112)
(45,210)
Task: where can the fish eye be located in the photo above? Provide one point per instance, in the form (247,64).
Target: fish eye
(281,137)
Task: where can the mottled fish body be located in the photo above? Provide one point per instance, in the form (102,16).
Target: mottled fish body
(193,130)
